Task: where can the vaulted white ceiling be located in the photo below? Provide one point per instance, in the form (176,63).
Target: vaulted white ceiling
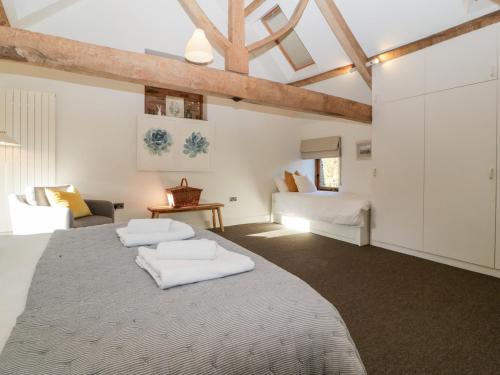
(162,25)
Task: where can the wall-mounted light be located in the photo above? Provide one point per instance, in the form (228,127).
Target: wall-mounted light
(198,49)
(6,140)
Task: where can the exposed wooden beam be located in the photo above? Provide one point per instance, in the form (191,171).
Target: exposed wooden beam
(201,20)
(253,6)
(237,54)
(323,76)
(464,28)
(4,21)
(283,32)
(346,38)
(63,54)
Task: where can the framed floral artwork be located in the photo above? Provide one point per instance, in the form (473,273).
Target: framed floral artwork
(174,144)
(174,106)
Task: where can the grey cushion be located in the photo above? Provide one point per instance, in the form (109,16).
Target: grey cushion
(88,221)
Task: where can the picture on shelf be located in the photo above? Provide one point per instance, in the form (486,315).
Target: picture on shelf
(174,106)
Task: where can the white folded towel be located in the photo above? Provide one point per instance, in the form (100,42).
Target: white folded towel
(170,273)
(188,250)
(178,231)
(138,226)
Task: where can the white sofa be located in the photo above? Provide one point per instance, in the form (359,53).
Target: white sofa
(30,219)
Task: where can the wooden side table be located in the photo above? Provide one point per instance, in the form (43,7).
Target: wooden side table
(214,207)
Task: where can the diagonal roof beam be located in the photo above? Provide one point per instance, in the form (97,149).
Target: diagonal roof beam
(323,76)
(252,7)
(346,38)
(83,58)
(201,20)
(4,21)
(284,31)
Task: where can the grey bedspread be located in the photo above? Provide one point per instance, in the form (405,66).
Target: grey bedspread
(91,310)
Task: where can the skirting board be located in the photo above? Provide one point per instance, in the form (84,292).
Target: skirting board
(356,235)
(439,259)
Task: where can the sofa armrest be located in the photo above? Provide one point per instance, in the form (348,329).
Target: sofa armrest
(28,219)
(101,208)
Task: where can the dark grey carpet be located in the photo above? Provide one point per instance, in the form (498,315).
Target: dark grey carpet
(406,315)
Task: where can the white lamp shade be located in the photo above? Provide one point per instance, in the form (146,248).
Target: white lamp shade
(5,140)
(198,49)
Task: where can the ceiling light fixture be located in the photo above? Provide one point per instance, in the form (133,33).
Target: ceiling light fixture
(198,49)
(6,140)
(373,61)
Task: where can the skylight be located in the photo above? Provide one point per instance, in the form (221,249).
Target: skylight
(291,46)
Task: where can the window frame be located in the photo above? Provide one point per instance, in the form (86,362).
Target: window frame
(264,19)
(317,166)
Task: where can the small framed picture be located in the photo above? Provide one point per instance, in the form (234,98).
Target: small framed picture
(364,150)
(174,106)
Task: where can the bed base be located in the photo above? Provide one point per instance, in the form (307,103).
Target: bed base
(356,235)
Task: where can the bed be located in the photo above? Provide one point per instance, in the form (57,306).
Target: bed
(343,216)
(91,310)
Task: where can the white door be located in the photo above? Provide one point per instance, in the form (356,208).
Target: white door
(497,256)
(460,163)
(398,154)
(468,59)
(400,78)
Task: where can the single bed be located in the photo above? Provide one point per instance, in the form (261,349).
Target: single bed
(91,310)
(343,216)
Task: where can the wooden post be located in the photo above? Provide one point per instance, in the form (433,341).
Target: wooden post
(237,53)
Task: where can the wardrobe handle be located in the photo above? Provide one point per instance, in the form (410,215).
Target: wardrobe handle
(492,173)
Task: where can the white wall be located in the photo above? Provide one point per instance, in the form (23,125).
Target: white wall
(355,174)
(96,145)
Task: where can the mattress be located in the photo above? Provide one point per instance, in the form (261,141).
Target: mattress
(91,310)
(326,206)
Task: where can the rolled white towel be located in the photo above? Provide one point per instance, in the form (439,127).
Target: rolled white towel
(140,226)
(189,250)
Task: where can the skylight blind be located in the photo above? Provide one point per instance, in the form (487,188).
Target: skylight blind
(319,148)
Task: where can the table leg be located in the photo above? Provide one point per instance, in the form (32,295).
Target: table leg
(155,215)
(214,223)
(221,224)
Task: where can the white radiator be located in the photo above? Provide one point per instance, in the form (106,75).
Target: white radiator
(30,118)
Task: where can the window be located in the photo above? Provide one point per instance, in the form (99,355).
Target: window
(291,46)
(328,174)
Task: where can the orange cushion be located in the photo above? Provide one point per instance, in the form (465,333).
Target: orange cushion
(290,182)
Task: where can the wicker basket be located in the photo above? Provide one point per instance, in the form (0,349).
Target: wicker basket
(183,195)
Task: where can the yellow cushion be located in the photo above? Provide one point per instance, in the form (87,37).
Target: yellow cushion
(73,201)
(290,182)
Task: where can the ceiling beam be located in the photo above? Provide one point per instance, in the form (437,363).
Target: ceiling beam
(283,32)
(4,21)
(201,21)
(237,55)
(453,32)
(72,56)
(346,38)
(464,28)
(323,76)
(253,6)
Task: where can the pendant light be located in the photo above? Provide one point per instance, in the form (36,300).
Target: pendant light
(6,140)
(198,49)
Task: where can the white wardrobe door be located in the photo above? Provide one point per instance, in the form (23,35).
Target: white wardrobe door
(497,256)
(467,59)
(460,160)
(399,78)
(398,153)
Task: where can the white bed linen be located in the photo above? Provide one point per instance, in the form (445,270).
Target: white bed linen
(327,206)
